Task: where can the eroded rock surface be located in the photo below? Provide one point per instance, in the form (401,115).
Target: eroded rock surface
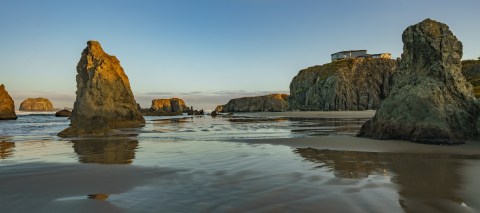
(169,105)
(104,99)
(430,101)
(354,84)
(7,106)
(266,103)
(36,105)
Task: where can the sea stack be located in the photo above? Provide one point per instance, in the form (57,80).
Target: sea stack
(169,105)
(430,101)
(7,107)
(36,105)
(265,103)
(104,99)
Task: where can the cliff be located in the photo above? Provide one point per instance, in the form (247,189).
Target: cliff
(354,84)
(36,104)
(272,103)
(471,71)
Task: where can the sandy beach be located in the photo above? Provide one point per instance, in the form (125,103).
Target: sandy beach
(267,162)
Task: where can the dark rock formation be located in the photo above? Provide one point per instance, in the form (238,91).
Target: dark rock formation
(471,71)
(36,105)
(430,101)
(169,105)
(152,112)
(266,103)
(104,98)
(196,112)
(63,113)
(7,107)
(354,84)
(214,114)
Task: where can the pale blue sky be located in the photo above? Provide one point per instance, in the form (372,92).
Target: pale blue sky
(205,51)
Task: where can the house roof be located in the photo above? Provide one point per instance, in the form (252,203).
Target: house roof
(347,51)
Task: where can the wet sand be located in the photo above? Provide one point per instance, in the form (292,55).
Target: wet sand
(252,162)
(352,143)
(349,142)
(313,114)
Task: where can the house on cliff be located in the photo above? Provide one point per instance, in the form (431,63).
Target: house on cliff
(358,54)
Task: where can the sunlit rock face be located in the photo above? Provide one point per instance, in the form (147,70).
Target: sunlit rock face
(169,105)
(7,107)
(430,101)
(354,84)
(266,103)
(104,99)
(219,108)
(36,104)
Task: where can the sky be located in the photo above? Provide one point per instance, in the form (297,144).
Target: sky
(205,52)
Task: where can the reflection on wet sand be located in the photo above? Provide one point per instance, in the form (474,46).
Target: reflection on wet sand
(426,183)
(6,149)
(106,151)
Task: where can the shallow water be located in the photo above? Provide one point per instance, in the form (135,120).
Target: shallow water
(203,164)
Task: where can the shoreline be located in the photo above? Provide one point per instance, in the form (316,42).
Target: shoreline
(343,142)
(311,114)
(359,144)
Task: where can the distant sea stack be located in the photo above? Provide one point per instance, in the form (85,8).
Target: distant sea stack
(430,101)
(166,107)
(104,99)
(36,105)
(266,103)
(169,105)
(352,84)
(7,107)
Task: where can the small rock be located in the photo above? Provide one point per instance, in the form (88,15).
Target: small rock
(98,196)
(63,113)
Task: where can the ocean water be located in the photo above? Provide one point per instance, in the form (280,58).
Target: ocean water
(205,164)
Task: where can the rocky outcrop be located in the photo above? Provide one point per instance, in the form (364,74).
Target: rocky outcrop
(219,108)
(471,71)
(266,103)
(166,107)
(36,105)
(354,84)
(169,105)
(430,101)
(7,107)
(63,113)
(104,98)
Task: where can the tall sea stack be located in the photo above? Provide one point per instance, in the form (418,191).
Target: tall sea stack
(7,107)
(104,98)
(430,101)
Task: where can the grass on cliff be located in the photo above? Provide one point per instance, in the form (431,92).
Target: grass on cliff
(327,70)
